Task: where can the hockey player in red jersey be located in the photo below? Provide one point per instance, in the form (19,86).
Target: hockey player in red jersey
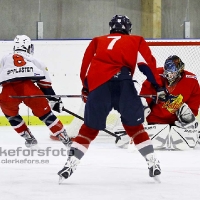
(183,101)
(22,75)
(106,73)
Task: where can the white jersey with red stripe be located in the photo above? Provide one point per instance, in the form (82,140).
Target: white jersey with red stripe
(22,65)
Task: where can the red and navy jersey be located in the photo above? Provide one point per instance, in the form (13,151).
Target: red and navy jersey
(106,55)
(186,90)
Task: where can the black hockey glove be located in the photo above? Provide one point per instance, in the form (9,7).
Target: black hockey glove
(56,104)
(162,94)
(84,94)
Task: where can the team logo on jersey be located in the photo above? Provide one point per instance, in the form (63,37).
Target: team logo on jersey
(191,76)
(173,103)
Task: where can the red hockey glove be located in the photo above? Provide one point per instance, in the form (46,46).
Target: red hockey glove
(84,94)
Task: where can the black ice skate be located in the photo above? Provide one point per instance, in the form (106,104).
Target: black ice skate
(154,167)
(64,138)
(30,142)
(68,169)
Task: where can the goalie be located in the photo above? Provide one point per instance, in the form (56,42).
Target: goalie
(176,115)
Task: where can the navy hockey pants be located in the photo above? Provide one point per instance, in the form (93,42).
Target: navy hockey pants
(118,93)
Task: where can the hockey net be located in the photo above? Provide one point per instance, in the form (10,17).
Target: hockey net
(188,51)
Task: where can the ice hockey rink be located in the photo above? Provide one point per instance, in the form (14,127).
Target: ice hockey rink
(105,172)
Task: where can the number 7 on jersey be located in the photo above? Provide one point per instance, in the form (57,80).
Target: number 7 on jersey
(113,41)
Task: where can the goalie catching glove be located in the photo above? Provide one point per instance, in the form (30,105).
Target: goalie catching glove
(186,118)
(56,104)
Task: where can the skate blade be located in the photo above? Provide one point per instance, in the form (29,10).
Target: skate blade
(35,147)
(61,180)
(157,179)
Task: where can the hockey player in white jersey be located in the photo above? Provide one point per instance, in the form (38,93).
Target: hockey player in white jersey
(22,75)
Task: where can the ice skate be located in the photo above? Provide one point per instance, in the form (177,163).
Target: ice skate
(30,142)
(68,169)
(154,167)
(64,138)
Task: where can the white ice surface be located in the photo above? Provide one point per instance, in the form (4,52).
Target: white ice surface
(105,173)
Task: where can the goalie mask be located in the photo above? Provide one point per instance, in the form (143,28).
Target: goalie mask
(23,43)
(173,68)
(120,24)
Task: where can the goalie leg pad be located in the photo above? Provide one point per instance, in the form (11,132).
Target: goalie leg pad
(159,134)
(183,139)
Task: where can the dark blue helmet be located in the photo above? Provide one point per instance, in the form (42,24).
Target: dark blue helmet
(120,24)
(173,68)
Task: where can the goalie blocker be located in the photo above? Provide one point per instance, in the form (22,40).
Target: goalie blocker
(165,138)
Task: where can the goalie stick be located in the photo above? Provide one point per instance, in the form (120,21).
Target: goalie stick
(70,96)
(81,118)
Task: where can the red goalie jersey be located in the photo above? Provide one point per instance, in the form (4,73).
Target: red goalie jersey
(186,90)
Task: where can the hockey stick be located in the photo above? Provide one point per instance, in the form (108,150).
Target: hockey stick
(81,118)
(72,96)
(45,96)
(148,96)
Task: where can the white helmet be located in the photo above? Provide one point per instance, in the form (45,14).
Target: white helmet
(23,43)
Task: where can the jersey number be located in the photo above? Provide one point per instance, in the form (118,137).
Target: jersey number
(18,60)
(113,41)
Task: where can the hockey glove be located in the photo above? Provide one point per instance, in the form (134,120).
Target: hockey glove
(186,118)
(56,104)
(84,94)
(146,108)
(161,94)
